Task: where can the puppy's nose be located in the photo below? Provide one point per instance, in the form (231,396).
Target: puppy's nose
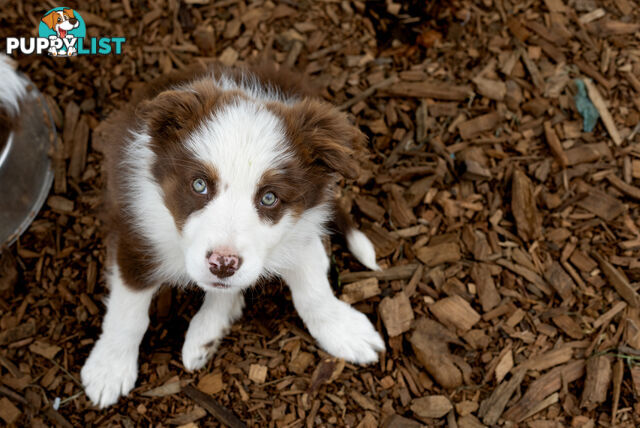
(223,263)
(73,21)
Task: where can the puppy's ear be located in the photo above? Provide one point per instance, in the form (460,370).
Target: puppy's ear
(69,13)
(171,113)
(324,136)
(50,20)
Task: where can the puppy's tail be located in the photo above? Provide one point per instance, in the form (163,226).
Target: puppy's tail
(357,242)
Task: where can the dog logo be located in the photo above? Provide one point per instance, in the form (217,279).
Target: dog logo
(63,33)
(63,27)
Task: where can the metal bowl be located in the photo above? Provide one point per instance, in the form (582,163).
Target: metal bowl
(25,168)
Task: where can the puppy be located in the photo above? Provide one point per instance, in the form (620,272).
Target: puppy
(220,179)
(12,90)
(61,21)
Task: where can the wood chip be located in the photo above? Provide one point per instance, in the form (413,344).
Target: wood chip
(172,386)
(543,387)
(587,153)
(435,90)
(554,145)
(429,342)
(258,373)
(205,401)
(602,108)
(524,208)
(360,290)
(618,280)
(560,281)
(434,255)
(431,406)
(301,362)
(396,313)
(492,407)
(625,188)
(456,312)
(473,127)
(8,412)
(602,204)
(487,292)
(597,382)
(212,383)
(44,349)
(391,274)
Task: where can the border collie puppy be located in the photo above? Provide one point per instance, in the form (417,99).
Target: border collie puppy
(219,178)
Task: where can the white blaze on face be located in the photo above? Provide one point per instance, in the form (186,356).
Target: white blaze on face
(241,141)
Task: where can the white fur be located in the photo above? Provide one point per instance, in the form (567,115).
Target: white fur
(153,219)
(362,248)
(339,329)
(241,141)
(112,367)
(241,154)
(209,325)
(13,86)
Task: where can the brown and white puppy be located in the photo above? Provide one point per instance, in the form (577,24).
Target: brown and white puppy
(219,179)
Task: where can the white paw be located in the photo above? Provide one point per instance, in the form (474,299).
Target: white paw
(348,334)
(195,355)
(109,373)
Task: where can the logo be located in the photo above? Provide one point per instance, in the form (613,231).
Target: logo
(62,33)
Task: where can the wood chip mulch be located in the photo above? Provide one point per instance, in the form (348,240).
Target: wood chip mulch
(509,236)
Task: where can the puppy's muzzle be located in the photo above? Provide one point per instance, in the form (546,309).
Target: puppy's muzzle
(223,263)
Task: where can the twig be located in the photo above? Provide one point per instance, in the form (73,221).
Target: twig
(625,188)
(209,404)
(369,91)
(601,106)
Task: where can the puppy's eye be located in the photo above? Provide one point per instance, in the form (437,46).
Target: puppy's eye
(269,199)
(199,186)
(59,19)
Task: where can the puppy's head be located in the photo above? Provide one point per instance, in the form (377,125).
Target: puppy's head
(63,19)
(240,176)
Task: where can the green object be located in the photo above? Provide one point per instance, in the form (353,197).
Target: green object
(585,107)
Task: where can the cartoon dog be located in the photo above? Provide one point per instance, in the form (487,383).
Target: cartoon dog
(61,21)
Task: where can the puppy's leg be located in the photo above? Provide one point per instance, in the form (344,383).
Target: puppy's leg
(339,329)
(218,311)
(112,367)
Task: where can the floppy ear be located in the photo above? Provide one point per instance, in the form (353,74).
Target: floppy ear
(69,12)
(171,113)
(50,20)
(325,136)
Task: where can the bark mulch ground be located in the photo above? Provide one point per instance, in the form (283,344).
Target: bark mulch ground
(509,235)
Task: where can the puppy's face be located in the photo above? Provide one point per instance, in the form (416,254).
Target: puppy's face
(62,20)
(238,175)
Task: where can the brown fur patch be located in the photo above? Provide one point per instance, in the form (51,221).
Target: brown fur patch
(171,117)
(322,141)
(321,136)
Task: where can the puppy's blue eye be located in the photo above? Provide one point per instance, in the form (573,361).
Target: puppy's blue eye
(199,186)
(269,199)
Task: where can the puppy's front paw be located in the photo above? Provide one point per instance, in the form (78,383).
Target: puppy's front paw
(109,373)
(348,334)
(195,354)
